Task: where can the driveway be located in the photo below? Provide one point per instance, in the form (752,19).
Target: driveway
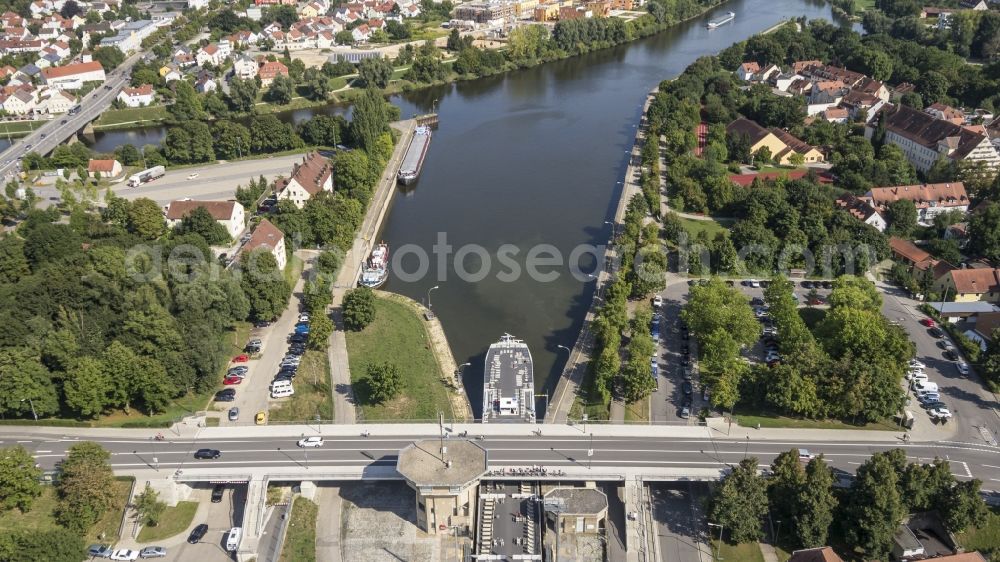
(220,517)
(679,523)
(973,407)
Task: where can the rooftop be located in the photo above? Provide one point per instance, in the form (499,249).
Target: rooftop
(220,210)
(579,501)
(421,463)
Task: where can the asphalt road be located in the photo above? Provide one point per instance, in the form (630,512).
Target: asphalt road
(679,521)
(47,137)
(968,460)
(220,517)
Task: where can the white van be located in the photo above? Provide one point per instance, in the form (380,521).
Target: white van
(282,392)
(280,384)
(233,540)
(925,386)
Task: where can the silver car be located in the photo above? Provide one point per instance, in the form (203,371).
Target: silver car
(234,414)
(153,552)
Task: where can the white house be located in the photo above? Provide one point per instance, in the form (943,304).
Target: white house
(924,139)
(361,33)
(244,67)
(313,175)
(267,236)
(58,101)
(19,103)
(863,211)
(137,97)
(107,168)
(229,214)
(72,76)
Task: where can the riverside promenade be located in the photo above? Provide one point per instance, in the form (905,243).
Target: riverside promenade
(569,385)
(340,373)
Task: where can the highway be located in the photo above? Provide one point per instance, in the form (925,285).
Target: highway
(50,135)
(615,448)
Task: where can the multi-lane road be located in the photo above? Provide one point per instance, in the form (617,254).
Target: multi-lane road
(615,448)
(47,137)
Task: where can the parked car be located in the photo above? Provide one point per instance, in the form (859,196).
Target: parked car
(940,413)
(657,301)
(234,413)
(303,317)
(238,371)
(686,387)
(927,322)
(99,551)
(207,454)
(226,395)
(805,455)
(218,492)
(932,404)
(950,355)
(916,364)
(232,380)
(312,441)
(298,338)
(192,176)
(936,332)
(685,412)
(962,367)
(929,397)
(198,533)
(241,358)
(153,552)
(260,418)
(125,554)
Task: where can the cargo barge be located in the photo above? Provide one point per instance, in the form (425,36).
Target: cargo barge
(413,161)
(509,382)
(721,21)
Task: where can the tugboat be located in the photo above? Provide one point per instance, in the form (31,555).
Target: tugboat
(723,20)
(376,270)
(509,382)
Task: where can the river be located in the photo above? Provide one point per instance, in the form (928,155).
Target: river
(528,158)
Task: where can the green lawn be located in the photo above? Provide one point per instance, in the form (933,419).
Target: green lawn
(300,540)
(41,516)
(312,391)
(114,117)
(637,412)
(985,539)
(745,552)
(19,127)
(174,522)
(861,5)
(589,403)
(765,419)
(694,227)
(398,336)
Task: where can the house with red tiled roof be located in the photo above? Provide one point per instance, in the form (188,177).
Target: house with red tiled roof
(270,70)
(925,139)
(308,178)
(930,199)
(229,214)
(968,285)
(862,211)
(107,168)
(72,76)
(747,71)
(269,237)
(939,110)
(137,97)
(821,554)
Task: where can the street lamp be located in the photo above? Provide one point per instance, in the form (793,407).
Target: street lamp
(429,295)
(32,404)
(718,546)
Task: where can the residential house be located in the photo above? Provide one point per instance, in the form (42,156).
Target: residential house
(747,71)
(828,72)
(821,554)
(205,84)
(907,253)
(925,140)
(972,284)
(781,144)
(977,5)
(858,104)
(170,72)
(213,53)
(270,70)
(131,35)
(944,112)
(836,115)
(244,67)
(72,76)
(804,66)
(309,177)
(361,33)
(137,97)
(930,199)
(19,103)
(56,101)
(229,214)
(783,81)
(309,10)
(862,211)
(873,87)
(267,236)
(793,145)
(107,168)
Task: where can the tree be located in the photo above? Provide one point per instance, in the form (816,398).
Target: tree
(187,102)
(902,217)
(370,119)
(269,134)
(816,503)
(242,94)
(874,507)
(384,382)
(354,175)
(86,486)
(13,264)
(263,284)
(281,91)
(149,507)
(109,57)
(145,219)
(397,31)
(20,480)
(230,140)
(316,84)
(55,545)
(48,243)
(320,329)
(962,505)
(189,143)
(87,387)
(127,154)
(984,232)
(200,222)
(26,386)
(323,130)
(344,37)
(328,263)
(740,501)
(359,308)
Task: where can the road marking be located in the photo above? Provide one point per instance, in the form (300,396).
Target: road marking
(26,441)
(43,451)
(990,466)
(966,466)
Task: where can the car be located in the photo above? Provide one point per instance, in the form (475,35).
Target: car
(805,455)
(218,492)
(946,345)
(928,397)
(688,373)
(770,331)
(932,404)
(936,332)
(754,284)
(686,387)
(302,329)
(312,441)
(940,413)
(261,324)
(239,370)
(657,301)
(705,394)
(241,358)
(293,364)
(125,554)
(950,355)
(43,135)
(232,380)
(827,284)
(234,413)
(916,376)
(685,412)
(291,359)
(298,337)
(756,301)
(207,454)
(816,301)
(730,283)
(197,534)
(223,396)
(192,176)
(304,318)
(692,282)
(916,364)
(806,284)
(927,322)
(153,552)
(260,418)
(962,367)
(99,551)
(63,122)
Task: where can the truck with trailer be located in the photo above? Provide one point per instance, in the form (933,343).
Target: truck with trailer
(146,176)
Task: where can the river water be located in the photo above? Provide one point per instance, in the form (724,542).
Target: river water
(529,158)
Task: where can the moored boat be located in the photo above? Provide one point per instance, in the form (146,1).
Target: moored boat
(508,382)
(375,271)
(413,160)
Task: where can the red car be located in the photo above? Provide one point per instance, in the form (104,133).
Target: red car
(232,380)
(927,322)
(241,358)
(816,301)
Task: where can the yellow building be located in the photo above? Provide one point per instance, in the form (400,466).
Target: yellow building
(547,12)
(782,145)
(969,285)
(523,8)
(446,481)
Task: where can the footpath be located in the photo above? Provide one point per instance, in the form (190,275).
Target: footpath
(340,372)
